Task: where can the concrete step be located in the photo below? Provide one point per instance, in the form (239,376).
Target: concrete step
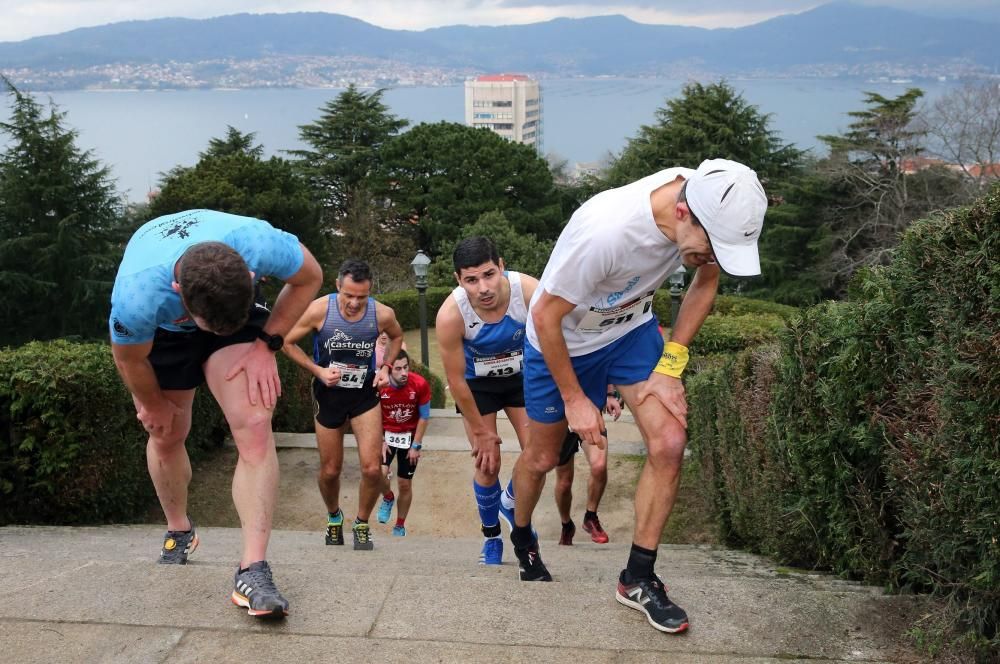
(82,594)
(446,432)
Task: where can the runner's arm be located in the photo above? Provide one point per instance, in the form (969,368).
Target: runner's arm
(668,390)
(295,296)
(387,323)
(153,409)
(309,322)
(449,328)
(132,362)
(697,304)
(582,416)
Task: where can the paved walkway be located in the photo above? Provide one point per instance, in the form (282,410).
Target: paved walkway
(95,595)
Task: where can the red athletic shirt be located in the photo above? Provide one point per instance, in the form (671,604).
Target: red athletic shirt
(400,406)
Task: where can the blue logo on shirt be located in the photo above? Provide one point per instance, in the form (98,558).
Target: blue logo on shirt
(617,295)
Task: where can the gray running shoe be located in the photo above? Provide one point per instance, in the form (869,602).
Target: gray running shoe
(362,537)
(178,545)
(255,591)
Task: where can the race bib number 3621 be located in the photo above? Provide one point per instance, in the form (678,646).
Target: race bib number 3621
(599,319)
(400,440)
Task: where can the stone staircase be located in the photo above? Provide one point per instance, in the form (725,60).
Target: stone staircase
(95,595)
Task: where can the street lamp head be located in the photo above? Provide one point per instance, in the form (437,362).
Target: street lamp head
(676,278)
(421,264)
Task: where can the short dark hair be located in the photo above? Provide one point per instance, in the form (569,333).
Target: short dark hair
(402,356)
(216,286)
(358,270)
(473,251)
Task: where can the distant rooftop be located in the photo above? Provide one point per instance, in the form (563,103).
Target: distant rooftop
(502,78)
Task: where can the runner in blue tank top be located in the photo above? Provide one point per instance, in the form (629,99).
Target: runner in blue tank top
(480,332)
(345,326)
(182,313)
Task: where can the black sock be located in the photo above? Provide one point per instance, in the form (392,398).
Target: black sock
(491,531)
(640,562)
(569,524)
(522,537)
(360,520)
(588,515)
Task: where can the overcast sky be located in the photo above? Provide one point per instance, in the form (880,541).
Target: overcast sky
(21,19)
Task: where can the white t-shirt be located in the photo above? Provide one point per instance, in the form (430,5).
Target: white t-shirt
(608,261)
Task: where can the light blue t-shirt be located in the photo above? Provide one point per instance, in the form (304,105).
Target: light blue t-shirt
(143,298)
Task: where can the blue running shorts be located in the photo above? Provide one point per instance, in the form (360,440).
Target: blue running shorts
(625,361)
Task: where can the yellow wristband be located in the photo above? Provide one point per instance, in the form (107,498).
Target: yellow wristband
(673,360)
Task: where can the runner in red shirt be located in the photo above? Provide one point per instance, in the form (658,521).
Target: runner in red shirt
(406,408)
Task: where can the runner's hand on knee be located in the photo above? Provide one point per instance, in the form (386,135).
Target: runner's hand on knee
(668,391)
(261,368)
(158,419)
(586,421)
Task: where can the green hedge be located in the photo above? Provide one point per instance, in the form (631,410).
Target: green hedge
(867,439)
(71,448)
(406,304)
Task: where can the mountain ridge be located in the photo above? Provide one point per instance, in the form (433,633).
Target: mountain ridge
(836,39)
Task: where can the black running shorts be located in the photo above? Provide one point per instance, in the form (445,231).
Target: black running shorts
(404,468)
(570,446)
(333,406)
(178,358)
(495,394)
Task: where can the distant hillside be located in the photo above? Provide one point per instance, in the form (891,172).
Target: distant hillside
(838,39)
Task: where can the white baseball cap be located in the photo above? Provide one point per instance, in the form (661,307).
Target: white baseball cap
(729,201)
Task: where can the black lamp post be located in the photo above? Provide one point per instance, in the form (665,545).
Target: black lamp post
(676,281)
(421,263)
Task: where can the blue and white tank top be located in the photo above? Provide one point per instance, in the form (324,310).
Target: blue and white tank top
(494,350)
(347,345)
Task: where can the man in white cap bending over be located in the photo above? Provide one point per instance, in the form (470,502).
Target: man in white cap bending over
(591,324)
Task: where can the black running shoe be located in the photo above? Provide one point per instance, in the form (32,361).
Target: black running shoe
(335,533)
(566,536)
(530,564)
(178,545)
(255,590)
(650,597)
(362,537)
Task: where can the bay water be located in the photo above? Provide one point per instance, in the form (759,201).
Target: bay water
(142,134)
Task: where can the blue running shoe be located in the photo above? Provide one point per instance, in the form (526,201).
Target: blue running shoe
(492,553)
(507,514)
(385,509)
(399,531)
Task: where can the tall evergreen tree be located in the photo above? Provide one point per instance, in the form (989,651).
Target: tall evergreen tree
(345,144)
(445,175)
(715,121)
(705,122)
(232,176)
(59,216)
(880,183)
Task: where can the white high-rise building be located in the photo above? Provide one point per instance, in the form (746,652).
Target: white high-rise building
(509,104)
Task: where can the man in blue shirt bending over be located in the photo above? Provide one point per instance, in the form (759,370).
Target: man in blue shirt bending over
(183,314)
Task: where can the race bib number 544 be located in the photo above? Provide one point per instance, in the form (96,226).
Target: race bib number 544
(352,376)
(599,319)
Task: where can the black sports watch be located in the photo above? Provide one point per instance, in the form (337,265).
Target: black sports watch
(274,341)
